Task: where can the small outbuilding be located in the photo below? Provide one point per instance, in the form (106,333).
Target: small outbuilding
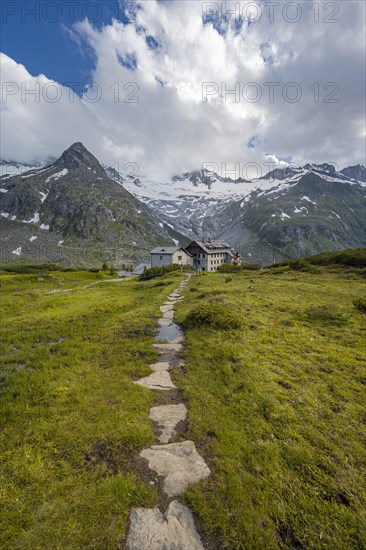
(167,255)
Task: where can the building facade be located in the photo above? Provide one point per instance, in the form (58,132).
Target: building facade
(170,255)
(208,255)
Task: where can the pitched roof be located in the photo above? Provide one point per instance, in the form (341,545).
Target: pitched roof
(140,268)
(165,250)
(212,247)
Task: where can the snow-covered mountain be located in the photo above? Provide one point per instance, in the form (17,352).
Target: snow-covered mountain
(9,168)
(290,211)
(70,211)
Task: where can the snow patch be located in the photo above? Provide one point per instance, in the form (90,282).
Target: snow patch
(60,243)
(35,219)
(2,190)
(17,251)
(44,195)
(58,175)
(305,198)
(300,210)
(33,238)
(44,226)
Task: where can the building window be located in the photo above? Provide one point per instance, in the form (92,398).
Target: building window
(161,257)
(179,258)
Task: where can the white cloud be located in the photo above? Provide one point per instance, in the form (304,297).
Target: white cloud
(170,129)
(272,159)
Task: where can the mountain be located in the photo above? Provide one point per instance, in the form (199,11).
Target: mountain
(71,211)
(357,172)
(78,211)
(13,168)
(289,212)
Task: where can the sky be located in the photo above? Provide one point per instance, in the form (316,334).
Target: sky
(175,85)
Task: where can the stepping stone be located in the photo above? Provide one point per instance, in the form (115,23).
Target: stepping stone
(169,307)
(177,340)
(166,348)
(165,322)
(168,304)
(168,314)
(163,366)
(173,530)
(167,417)
(178,463)
(157,381)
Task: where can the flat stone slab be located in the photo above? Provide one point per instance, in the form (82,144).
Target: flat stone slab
(167,417)
(165,308)
(165,322)
(157,381)
(168,314)
(178,463)
(173,530)
(162,366)
(166,348)
(177,340)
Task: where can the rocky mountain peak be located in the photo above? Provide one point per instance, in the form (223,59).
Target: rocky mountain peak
(357,172)
(77,157)
(325,167)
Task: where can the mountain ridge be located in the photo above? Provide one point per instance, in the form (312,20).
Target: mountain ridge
(73,212)
(289,212)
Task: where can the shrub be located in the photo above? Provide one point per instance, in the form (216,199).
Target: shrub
(326,313)
(360,304)
(153,272)
(213,315)
(228,279)
(30,269)
(232,268)
(353,257)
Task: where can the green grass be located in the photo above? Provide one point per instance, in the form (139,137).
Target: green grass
(276,401)
(71,417)
(278,409)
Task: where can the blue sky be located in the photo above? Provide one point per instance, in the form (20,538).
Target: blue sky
(160,62)
(39,36)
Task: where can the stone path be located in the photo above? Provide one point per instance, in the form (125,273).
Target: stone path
(177,463)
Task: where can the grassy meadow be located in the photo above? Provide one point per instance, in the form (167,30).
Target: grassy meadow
(276,388)
(71,417)
(275,384)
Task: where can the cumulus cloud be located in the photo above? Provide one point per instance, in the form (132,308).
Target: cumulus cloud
(274,89)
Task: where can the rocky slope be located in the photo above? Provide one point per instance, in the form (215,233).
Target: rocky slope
(71,211)
(93,212)
(289,212)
